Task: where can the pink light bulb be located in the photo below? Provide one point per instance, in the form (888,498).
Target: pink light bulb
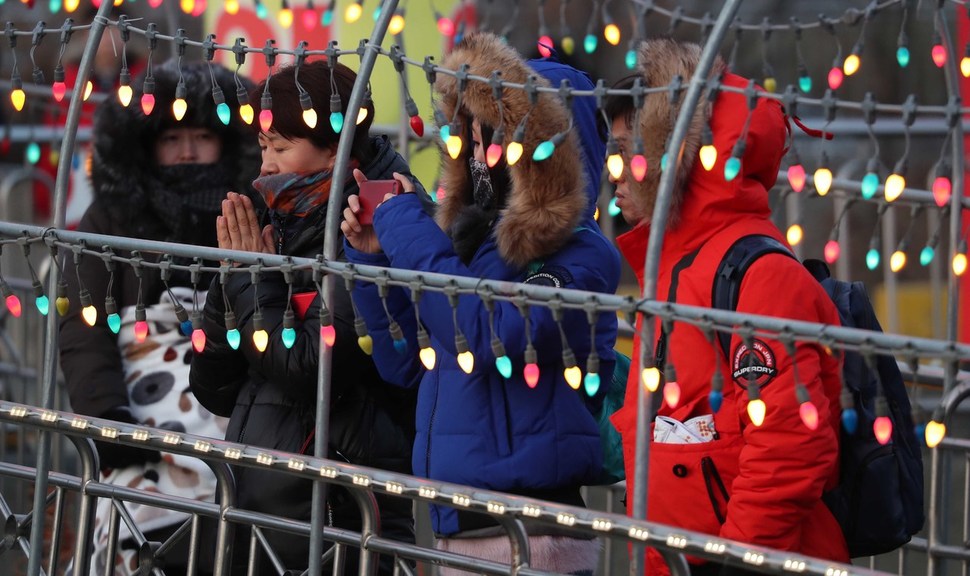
(941,191)
(446,26)
(141,331)
(883,429)
(147,103)
(939,55)
(809,415)
(198,340)
(796,177)
(310,19)
(638,167)
(832,251)
(531,373)
(672,394)
(835,77)
(59,89)
(328,334)
(13,305)
(545,44)
(265,119)
(493,154)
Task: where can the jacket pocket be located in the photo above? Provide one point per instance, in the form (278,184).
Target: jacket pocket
(690,483)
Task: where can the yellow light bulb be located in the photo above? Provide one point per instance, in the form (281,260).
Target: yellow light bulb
(353,12)
(71,5)
(310,117)
(708,156)
(513,152)
(285,17)
(615,166)
(466,361)
(823,181)
(965,66)
(361,115)
(651,378)
(851,64)
(897,261)
(612,34)
(596,214)
(756,411)
(178,108)
(260,340)
(960,264)
(17,98)
(124,95)
(894,187)
(794,234)
(246,113)
(232,7)
(935,431)
(428,357)
(187,6)
(574,377)
(396,25)
(90,315)
(454,146)
(88,88)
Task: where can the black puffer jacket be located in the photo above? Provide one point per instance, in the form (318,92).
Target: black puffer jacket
(271,396)
(125,178)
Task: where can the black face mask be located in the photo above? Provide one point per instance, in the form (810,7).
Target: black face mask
(482,191)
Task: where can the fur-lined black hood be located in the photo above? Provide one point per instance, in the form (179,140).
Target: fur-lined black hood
(124,137)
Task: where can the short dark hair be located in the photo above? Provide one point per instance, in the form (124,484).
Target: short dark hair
(616,105)
(315,78)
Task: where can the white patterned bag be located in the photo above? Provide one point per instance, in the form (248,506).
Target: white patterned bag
(157,376)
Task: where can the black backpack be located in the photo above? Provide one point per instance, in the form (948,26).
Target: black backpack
(879,499)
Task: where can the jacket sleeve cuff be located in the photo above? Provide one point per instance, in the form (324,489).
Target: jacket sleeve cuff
(357,257)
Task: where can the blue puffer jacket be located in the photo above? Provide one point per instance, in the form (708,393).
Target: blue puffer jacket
(481,429)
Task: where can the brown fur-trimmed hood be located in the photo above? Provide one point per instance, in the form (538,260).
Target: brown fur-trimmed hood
(660,61)
(547,199)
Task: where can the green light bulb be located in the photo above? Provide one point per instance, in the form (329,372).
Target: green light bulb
(926,255)
(872,259)
(805,84)
(591,383)
(327,18)
(613,209)
(222,110)
(870,183)
(33,152)
(543,151)
(336,121)
(289,337)
(902,56)
(631,59)
(43,304)
(260,11)
(114,322)
(589,43)
(663,162)
(233,338)
(731,168)
(445,133)
(377,13)
(504,366)
(55,6)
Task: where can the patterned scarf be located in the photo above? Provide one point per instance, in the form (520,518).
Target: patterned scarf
(293,194)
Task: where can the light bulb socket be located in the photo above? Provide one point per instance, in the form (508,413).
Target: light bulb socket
(257,321)
(196,320)
(410,108)
(717,381)
(180,312)
(180,90)
(38,288)
(461,343)
(498,349)
(801,394)
(872,166)
(670,373)
(230,320)
(424,341)
(568,357)
(360,327)
(59,73)
(266,101)
(140,314)
(84,296)
(149,86)
(242,96)
(754,391)
(124,78)
(62,288)
(335,103)
(846,400)
(110,306)
(5,288)
(738,150)
(498,136)
(612,146)
(325,319)
(289,319)
(881,406)
(530,354)
(38,76)
(217,96)
(305,102)
(16,83)
(902,166)
(593,363)
(394,329)
(519,133)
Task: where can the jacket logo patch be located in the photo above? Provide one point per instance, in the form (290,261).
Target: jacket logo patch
(756,364)
(555,276)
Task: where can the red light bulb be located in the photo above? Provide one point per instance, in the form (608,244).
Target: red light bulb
(446,26)
(531,373)
(265,119)
(493,154)
(835,77)
(417,124)
(141,331)
(328,334)
(672,394)
(13,305)
(638,167)
(59,89)
(310,19)
(545,44)
(883,429)
(198,340)
(832,251)
(796,177)
(809,415)
(147,103)
(941,190)
(939,55)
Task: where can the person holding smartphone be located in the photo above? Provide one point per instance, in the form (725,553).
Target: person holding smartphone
(270,395)
(531,221)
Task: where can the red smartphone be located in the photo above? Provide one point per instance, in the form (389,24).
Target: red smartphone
(371,194)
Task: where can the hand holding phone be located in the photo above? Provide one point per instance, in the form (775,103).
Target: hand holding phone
(372,193)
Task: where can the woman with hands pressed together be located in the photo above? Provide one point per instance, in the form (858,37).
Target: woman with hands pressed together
(531,222)
(270,395)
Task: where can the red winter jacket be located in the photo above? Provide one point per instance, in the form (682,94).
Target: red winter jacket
(774,475)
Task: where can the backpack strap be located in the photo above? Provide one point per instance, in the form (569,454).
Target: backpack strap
(730,272)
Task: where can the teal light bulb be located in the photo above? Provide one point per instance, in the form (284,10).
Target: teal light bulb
(232,337)
(631,59)
(337,121)
(288,337)
(327,18)
(591,383)
(613,209)
(445,133)
(902,56)
(589,43)
(43,304)
(33,152)
(504,366)
(872,259)
(114,322)
(926,255)
(663,162)
(731,168)
(805,84)
(870,183)
(222,110)
(54,5)
(400,345)
(543,151)
(261,11)
(377,13)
